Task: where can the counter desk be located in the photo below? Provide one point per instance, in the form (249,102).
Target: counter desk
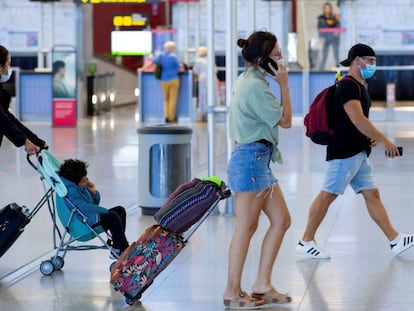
(35,96)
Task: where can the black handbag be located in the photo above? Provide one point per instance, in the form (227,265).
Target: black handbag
(158,69)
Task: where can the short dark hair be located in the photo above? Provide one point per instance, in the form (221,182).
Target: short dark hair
(73,170)
(3,55)
(257,46)
(57,65)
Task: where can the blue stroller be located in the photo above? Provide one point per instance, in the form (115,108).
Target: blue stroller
(74,222)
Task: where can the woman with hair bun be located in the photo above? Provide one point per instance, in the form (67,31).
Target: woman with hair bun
(254,119)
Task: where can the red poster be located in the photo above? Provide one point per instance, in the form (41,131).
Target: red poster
(64,112)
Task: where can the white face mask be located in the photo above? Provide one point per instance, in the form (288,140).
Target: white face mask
(5,78)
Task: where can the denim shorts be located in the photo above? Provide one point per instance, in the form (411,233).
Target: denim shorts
(248,168)
(355,171)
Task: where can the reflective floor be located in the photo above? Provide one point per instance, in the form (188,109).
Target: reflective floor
(363,274)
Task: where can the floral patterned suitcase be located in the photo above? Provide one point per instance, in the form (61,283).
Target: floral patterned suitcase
(143,260)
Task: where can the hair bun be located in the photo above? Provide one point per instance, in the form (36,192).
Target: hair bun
(242,43)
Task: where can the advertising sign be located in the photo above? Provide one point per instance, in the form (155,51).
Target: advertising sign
(64,112)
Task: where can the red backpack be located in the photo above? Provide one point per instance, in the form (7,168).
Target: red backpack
(317,119)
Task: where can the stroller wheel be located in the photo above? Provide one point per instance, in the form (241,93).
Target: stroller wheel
(46,267)
(58,263)
(111,267)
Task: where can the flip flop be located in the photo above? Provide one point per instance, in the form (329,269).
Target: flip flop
(239,303)
(270,297)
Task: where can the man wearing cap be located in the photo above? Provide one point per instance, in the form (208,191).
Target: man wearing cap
(347,155)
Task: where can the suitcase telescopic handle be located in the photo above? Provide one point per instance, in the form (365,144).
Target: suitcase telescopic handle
(225,194)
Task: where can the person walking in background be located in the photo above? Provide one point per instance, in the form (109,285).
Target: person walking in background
(347,155)
(10,126)
(327,24)
(254,120)
(170,82)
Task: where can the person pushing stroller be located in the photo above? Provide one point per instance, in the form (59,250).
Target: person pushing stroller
(83,194)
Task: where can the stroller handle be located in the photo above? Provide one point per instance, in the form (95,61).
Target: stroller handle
(30,161)
(37,155)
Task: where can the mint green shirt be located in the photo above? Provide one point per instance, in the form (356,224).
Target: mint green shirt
(255,111)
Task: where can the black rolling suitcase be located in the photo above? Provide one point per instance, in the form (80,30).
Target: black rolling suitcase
(13,219)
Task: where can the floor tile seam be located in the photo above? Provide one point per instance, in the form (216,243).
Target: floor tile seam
(131,209)
(23,271)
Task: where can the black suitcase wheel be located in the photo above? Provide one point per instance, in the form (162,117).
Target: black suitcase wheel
(58,263)
(46,267)
(130,301)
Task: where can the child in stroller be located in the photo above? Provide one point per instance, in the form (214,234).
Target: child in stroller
(82,192)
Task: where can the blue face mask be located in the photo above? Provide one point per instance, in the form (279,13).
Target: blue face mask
(368,71)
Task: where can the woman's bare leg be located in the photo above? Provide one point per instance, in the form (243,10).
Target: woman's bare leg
(248,208)
(276,210)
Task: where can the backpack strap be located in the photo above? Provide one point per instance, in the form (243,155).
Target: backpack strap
(349,78)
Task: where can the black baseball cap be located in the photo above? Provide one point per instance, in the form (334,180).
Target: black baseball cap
(357,50)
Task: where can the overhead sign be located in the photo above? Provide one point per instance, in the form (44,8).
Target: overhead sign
(129,20)
(119,1)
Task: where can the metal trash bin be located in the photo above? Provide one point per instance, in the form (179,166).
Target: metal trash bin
(164,163)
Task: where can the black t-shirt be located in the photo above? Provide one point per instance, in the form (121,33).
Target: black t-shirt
(347,141)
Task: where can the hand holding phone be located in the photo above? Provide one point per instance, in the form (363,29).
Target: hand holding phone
(400,152)
(265,65)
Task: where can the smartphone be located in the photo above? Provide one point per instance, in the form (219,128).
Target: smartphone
(400,151)
(265,65)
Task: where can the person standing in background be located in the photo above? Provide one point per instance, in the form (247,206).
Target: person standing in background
(200,71)
(327,24)
(170,82)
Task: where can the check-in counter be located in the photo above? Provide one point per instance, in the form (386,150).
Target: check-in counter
(304,86)
(151,98)
(35,96)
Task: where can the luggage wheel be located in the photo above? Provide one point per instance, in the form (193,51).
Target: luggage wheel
(131,301)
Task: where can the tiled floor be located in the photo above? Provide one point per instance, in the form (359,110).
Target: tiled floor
(362,274)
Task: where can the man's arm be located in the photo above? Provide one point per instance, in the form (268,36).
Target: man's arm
(354,111)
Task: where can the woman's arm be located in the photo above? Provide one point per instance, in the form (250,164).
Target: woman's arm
(281,77)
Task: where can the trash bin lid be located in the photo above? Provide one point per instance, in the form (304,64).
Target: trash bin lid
(164,129)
